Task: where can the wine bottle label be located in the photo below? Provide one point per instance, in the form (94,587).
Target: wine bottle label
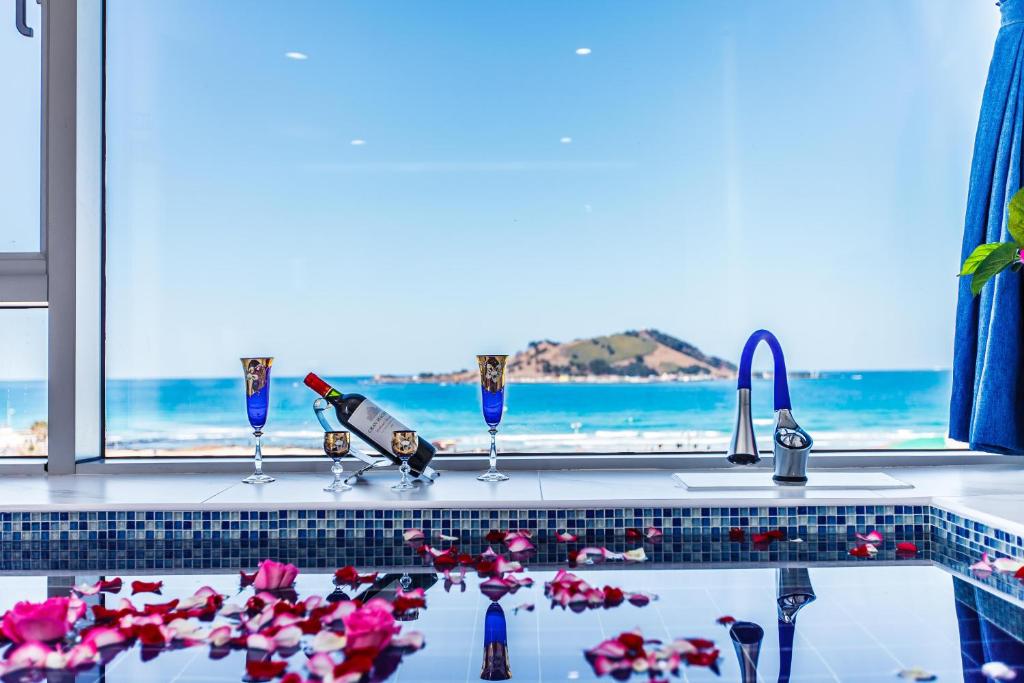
(376,423)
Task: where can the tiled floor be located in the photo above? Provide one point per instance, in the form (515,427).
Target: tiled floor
(865,625)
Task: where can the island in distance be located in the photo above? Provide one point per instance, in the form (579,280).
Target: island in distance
(631,356)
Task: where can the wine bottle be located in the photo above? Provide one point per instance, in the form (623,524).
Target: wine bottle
(496,666)
(372,424)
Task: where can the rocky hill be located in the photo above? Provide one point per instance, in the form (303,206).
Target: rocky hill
(644,355)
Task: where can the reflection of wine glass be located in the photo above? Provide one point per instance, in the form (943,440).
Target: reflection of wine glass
(404,444)
(257,403)
(336,446)
(492,394)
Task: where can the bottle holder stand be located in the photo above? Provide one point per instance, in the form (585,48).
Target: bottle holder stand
(428,476)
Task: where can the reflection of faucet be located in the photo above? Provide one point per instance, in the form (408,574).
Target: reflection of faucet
(793,592)
(791,444)
(746,638)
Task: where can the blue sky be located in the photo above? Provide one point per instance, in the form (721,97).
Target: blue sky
(796,166)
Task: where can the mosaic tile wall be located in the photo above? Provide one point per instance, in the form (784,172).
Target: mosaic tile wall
(975,537)
(899,521)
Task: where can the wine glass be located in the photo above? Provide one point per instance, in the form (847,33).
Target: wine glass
(404,444)
(336,446)
(492,394)
(257,403)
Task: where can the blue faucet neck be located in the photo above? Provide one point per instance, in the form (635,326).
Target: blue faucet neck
(781,380)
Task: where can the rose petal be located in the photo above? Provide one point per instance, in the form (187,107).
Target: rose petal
(916,674)
(1006,565)
(28,656)
(524,607)
(265,669)
(565,537)
(726,620)
(637,555)
(981,569)
(412,535)
(146,587)
(871,537)
(654,532)
(520,544)
(907,548)
(639,599)
(737,534)
(328,641)
(413,640)
(998,671)
(864,550)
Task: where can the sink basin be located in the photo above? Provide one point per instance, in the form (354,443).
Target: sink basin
(732,480)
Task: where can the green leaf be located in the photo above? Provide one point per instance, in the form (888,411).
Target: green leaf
(1000,258)
(977,256)
(1015,219)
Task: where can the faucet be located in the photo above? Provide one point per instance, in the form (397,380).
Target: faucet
(791,444)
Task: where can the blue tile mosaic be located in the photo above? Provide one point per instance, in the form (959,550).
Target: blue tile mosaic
(897,521)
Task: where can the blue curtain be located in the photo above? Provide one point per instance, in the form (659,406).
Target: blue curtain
(987,410)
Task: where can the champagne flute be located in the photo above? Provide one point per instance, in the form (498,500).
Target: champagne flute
(492,394)
(404,444)
(257,403)
(336,446)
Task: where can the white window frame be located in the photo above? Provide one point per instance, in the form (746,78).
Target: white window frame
(65,276)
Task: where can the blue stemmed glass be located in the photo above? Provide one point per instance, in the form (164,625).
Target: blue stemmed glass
(257,403)
(492,395)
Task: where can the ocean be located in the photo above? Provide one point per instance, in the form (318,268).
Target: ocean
(840,410)
(905,409)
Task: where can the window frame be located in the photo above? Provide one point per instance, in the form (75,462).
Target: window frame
(73,197)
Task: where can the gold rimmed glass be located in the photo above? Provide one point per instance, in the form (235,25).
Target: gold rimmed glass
(492,399)
(257,404)
(337,446)
(404,444)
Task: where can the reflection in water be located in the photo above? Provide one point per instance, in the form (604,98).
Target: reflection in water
(981,639)
(746,638)
(495,666)
(793,592)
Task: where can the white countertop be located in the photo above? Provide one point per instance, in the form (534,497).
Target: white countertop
(990,493)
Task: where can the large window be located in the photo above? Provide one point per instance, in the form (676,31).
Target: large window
(23,419)
(19,132)
(375,190)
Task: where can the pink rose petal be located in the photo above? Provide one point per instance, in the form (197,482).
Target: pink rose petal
(870,537)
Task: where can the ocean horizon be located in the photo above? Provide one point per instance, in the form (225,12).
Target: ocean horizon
(851,409)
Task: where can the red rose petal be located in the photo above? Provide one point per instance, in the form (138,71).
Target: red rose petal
(160,608)
(246,579)
(265,669)
(613,596)
(146,586)
(737,534)
(861,550)
(495,536)
(151,634)
(633,534)
(111,586)
(905,547)
(702,658)
(726,620)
